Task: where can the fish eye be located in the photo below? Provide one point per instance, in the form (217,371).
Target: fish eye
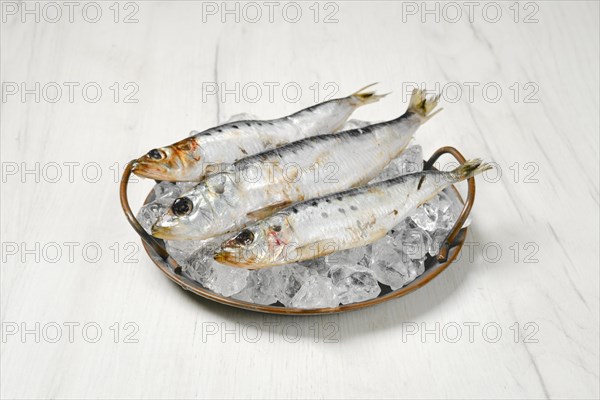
(245,237)
(182,206)
(156,154)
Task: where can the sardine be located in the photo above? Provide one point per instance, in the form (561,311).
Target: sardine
(258,186)
(341,221)
(188,159)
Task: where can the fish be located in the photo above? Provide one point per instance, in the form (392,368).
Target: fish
(340,221)
(191,159)
(260,185)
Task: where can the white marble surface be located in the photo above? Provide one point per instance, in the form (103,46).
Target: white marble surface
(180,348)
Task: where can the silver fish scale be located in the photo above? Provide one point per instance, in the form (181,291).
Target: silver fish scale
(326,165)
(310,168)
(408,121)
(360,216)
(239,139)
(192,158)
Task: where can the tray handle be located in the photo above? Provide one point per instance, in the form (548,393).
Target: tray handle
(454,233)
(146,237)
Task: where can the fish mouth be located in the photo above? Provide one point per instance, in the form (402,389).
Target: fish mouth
(221,257)
(163,232)
(240,257)
(175,232)
(147,170)
(233,259)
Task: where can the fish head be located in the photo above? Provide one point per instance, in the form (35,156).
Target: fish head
(196,214)
(178,162)
(266,243)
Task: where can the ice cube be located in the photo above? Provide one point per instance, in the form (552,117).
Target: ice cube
(437,239)
(227,280)
(410,161)
(354,256)
(396,274)
(316,292)
(201,267)
(217,277)
(354,283)
(181,250)
(288,281)
(390,172)
(198,267)
(319,265)
(449,209)
(414,268)
(383,259)
(391,267)
(443,202)
(406,223)
(260,287)
(149,213)
(167,192)
(415,243)
(425,217)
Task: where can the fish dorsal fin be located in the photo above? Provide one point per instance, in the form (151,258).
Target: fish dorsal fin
(268,210)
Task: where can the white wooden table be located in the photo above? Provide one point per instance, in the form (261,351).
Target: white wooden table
(85,314)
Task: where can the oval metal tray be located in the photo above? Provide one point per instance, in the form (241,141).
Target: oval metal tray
(433,267)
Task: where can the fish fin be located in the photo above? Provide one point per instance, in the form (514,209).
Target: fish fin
(268,210)
(422,106)
(360,97)
(469,169)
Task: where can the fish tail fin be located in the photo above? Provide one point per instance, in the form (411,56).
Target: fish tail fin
(468,169)
(423,106)
(362,97)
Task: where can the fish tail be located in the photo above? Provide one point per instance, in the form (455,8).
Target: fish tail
(362,97)
(468,169)
(422,106)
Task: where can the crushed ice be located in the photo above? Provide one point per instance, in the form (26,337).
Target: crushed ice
(344,277)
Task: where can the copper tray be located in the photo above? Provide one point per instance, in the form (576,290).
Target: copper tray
(449,250)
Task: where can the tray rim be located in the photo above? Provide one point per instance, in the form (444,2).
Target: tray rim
(448,253)
(196,288)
